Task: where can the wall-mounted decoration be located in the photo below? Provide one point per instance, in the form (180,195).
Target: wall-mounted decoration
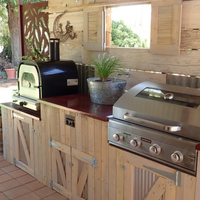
(63,33)
(34,30)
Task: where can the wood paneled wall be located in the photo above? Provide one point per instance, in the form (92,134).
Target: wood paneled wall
(188,62)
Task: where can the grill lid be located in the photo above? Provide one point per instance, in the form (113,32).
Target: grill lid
(168,108)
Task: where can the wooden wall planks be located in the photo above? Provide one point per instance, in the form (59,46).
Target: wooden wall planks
(186,63)
(191,17)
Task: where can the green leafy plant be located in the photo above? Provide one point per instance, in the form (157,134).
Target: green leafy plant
(106,66)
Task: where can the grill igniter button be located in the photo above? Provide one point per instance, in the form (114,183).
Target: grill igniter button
(155,149)
(177,157)
(135,143)
(117,137)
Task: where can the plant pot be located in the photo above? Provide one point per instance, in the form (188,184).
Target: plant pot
(4,74)
(11,73)
(106,93)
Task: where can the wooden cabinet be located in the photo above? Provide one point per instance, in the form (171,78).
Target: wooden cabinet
(77,161)
(72,172)
(23,142)
(78,155)
(132,177)
(20,136)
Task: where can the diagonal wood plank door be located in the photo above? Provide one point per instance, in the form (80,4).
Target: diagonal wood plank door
(83,176)
(133,177)
(24,143)
(61,168)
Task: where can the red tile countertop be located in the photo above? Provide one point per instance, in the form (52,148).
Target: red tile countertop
(80,103)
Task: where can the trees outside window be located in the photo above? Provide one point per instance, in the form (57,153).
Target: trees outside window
(123,36)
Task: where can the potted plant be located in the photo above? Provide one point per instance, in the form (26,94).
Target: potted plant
(103,89)
(7,69)
(10,70)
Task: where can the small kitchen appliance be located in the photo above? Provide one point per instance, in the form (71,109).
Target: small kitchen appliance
(41,79)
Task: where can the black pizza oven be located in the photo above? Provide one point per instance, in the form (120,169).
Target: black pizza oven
(41,79)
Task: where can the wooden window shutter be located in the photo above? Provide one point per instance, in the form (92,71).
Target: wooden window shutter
(166,27)
(94,29)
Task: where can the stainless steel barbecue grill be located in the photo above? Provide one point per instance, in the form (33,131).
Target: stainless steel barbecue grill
(160,122)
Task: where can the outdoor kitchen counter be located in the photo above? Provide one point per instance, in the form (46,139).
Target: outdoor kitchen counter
(21,110)
(80,103)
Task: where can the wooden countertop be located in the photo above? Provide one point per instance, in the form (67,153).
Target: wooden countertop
(80,103)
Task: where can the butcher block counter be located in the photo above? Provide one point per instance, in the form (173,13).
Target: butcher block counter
(67,149)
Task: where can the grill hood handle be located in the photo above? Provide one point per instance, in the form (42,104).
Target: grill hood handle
(151,124)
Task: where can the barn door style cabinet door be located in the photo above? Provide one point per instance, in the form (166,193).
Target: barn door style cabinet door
(78,154)
(24,142)
(132,177)
(72,172)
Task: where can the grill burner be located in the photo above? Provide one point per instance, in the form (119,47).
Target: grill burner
(160,122)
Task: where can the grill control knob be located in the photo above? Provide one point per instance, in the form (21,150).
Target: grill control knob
(177,157)
(155,149)
(135,143)
(116,137)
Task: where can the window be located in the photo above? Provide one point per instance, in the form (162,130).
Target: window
(165,27)
(129,26)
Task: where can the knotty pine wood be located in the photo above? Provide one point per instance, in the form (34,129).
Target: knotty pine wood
(87,139)
(123,165)
(141,59)
(91,4)
(190,39)
(191,17)
(7,128)
(166,40)
(106,182)
(186,63)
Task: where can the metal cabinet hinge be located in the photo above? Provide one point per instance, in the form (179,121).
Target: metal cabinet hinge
(92,161)
(52,185)
(53,144)
(71,164)
(175,177)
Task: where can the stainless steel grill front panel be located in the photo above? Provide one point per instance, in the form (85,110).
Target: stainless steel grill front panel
(160,122)
(148,137)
